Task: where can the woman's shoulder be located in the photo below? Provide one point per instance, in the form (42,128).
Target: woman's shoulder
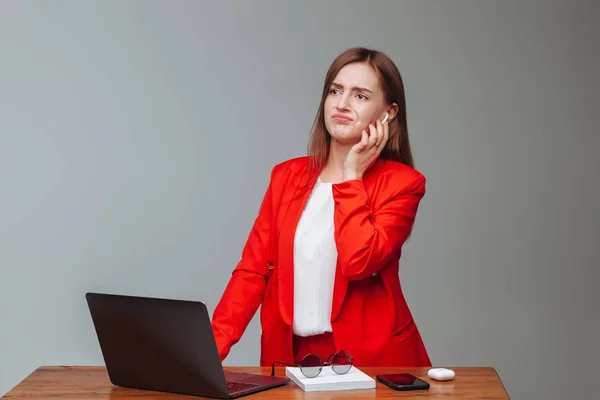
(289,175)
(397,178)
(399,171)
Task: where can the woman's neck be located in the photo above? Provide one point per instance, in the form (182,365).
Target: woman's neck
(333,171)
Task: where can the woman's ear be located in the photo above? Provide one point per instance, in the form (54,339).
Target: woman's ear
(393,111)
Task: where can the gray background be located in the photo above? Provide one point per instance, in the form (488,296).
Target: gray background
(137,137)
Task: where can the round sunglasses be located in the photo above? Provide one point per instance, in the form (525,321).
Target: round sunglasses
(311,364)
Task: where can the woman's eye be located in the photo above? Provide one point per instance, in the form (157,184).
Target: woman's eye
(334,91)
(362,96)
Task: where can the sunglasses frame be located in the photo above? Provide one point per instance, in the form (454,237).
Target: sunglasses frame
(328,362)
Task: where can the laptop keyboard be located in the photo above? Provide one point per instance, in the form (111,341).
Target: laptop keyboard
(239,386)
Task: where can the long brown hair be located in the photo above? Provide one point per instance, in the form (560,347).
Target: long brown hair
(397,147)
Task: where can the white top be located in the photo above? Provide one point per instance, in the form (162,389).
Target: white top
(315,258)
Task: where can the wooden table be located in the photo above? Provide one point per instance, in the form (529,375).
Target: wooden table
(92,383)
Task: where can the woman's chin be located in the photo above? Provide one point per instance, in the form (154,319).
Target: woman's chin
(344,137)
(346,141)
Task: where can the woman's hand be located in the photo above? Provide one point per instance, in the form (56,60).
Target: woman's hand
(364,153)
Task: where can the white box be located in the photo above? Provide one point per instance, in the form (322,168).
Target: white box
(329,380)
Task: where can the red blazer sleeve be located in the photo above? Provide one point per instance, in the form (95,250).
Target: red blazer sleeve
(367,238)
(245,290)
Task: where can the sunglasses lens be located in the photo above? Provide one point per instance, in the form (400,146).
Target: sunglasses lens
(311,365)
(342,362)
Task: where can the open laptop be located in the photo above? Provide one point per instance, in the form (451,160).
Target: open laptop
(166,345)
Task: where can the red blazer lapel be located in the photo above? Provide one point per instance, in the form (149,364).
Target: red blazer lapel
(339,292)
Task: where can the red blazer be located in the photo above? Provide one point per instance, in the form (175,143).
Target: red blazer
(370,317)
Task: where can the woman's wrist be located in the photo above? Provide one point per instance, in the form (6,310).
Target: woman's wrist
(351,174)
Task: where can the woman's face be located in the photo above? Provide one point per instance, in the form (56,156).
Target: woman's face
(354,101)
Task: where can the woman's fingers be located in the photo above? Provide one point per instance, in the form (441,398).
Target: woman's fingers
(380,135)
(364,141)
(386,131)
(373,136)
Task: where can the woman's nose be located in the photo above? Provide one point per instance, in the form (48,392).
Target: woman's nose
(342,102)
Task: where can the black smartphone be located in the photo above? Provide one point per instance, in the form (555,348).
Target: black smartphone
(402,381)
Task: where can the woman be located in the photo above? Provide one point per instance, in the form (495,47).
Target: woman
(323,255)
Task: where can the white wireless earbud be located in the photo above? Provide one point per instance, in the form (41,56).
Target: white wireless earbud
(386,117)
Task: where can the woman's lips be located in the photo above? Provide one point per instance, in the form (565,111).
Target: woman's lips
(342,119)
